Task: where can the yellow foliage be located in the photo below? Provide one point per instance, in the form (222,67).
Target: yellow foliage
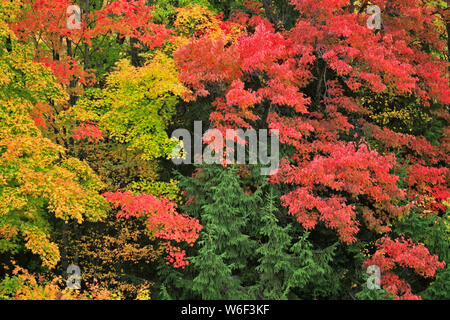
(36,288)
(168,190)
(386,110)
(38,242)
(196,20)
(160,67)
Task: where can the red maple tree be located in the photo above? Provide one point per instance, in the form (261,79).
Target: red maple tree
(306,80)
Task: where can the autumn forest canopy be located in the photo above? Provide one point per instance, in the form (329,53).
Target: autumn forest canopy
(93,205)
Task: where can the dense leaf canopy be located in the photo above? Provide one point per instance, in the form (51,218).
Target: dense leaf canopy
(361,114)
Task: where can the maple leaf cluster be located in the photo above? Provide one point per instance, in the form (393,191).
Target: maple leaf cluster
(162,219)
(405,253)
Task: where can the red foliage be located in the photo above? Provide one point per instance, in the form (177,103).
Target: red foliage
(346,170)
(49,17)
(89,132)
(397,287)
(162,219)
(431,182)
(283,63)
(131,19)
(45,22)
(421,151)
(38,114)
(404,253)
(67,70)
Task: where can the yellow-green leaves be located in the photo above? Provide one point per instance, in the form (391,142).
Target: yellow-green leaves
(136,105)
